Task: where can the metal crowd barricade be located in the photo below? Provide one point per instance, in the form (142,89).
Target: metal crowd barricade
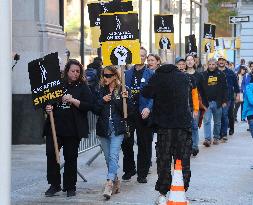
(89,143)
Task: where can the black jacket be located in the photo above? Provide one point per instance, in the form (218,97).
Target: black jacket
(215,84)
(169,88)
(115,107)
(79,91)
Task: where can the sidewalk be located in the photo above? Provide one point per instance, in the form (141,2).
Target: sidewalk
(221,175)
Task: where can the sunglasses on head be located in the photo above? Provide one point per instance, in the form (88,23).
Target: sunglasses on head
(108,75)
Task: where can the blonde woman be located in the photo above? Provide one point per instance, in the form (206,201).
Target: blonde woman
(111,125)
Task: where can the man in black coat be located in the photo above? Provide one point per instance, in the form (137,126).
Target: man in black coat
(171,118)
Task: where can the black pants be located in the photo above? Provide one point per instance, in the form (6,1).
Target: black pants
(70,152)
(237,105)
(176,143)
(144,142)
(231,119)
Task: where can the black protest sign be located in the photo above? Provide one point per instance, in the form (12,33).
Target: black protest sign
(119,26)
(190,44)
(163,24)
(45,80)
(209,31)
(164,31)
(117,6)
(95,9)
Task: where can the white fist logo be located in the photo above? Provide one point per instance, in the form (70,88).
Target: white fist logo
(165,42)
(121,54)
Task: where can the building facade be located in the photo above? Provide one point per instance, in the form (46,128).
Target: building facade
(245,30)
(36,32)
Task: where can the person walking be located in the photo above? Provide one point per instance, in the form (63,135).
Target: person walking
(111,125)
(136,78)
(227,119)
(242,63)
(172,119)
(240,75)
(71,125)
(215,87)
(248,106)
(197,77)
(193,99)
(247,77)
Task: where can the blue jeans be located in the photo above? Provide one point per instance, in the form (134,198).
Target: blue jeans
(251,127)
(195,132)
(111,147)
(216,112)
(224,120)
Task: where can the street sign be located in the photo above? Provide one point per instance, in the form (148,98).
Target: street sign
(228,5)
(238,19)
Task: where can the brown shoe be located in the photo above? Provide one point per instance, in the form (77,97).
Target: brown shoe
(108,189)
(207,143)
(215,142)
(116,186)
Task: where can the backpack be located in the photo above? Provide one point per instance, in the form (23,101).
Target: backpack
(92,77)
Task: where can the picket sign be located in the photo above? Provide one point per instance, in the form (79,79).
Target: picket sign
(46,88)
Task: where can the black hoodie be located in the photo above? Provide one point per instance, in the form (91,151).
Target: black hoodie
(169,88)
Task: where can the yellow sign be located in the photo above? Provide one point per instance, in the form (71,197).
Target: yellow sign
(164,41)
(121,52)
(208,45)
(95,34)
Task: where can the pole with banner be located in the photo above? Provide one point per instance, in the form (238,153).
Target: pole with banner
(46,87)
(120,44)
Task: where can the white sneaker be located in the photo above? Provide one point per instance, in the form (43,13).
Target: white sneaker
(161,200)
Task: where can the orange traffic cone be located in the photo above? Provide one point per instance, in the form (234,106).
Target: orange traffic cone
(177,191)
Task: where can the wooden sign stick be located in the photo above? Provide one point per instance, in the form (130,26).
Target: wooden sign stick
(124,89)
(56,147)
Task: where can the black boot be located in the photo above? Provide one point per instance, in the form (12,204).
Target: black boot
(52,190)
(71,192)
(128,175)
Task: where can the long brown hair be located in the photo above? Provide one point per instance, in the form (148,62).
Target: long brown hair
(115,71)
(188,55)
(67,67)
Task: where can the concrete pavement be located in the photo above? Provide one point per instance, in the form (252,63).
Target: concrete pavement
(221,175)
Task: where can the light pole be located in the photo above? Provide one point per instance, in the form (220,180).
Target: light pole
(180,28)
(200,4)
(140,18)
(150,25)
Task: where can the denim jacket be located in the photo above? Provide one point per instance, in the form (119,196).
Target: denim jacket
(143,102)
(248,101)
(112,110)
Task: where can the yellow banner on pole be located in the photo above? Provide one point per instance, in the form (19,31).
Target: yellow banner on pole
(121,52)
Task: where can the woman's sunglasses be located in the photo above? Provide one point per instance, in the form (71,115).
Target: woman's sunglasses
(108,75)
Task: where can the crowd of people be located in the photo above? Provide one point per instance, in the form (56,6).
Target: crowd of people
(171,100)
